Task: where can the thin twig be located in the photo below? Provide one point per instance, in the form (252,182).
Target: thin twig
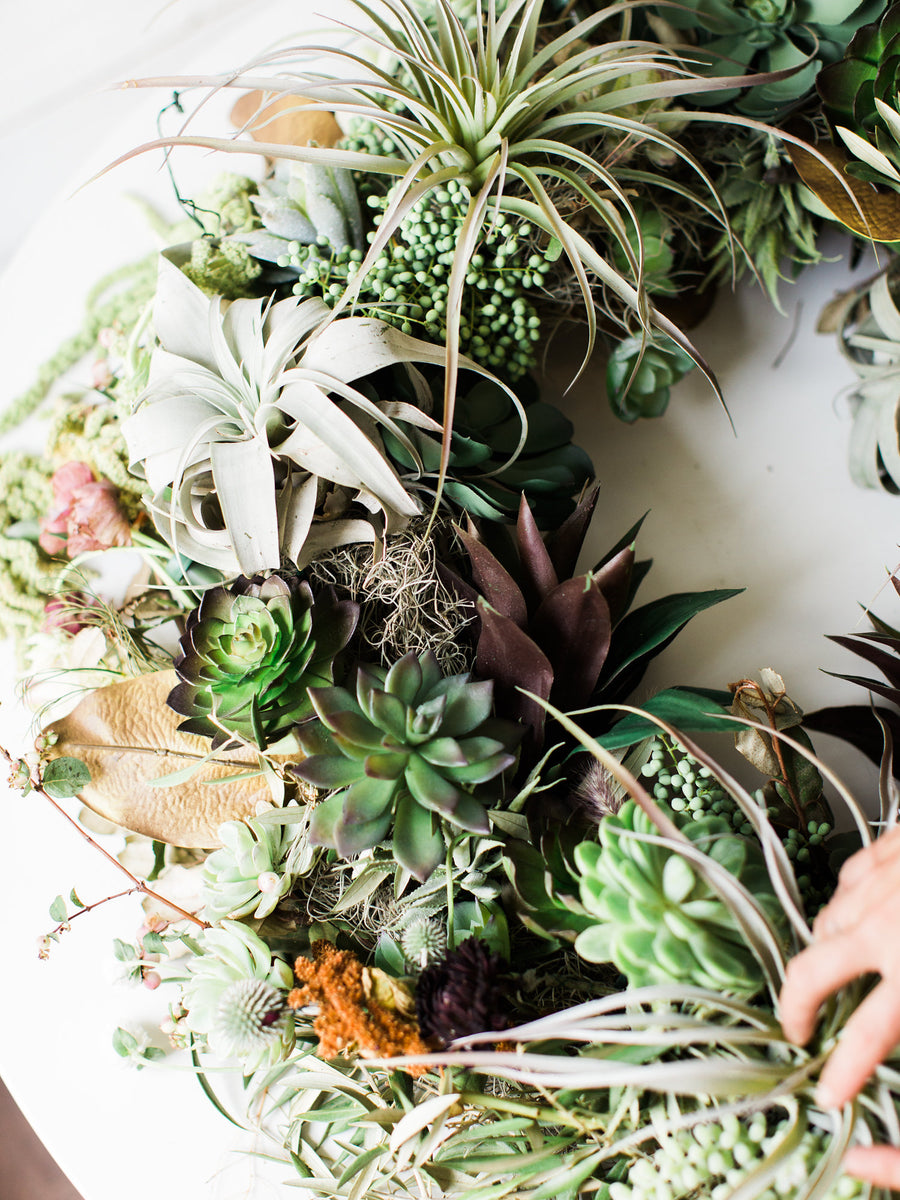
(140,885)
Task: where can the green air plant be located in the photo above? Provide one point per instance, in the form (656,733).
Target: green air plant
(249,653)
(407,750)
(527,128)
(712,1098)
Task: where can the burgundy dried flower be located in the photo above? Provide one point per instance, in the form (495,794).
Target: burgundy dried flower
(85,515)
(466,992)
(67,612)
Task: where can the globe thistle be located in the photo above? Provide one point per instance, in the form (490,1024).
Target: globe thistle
(251,1016)
(225,1015)
(423,941)
(467,992)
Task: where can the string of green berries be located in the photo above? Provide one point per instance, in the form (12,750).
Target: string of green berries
(409,283)
(714,1159)
(690,789)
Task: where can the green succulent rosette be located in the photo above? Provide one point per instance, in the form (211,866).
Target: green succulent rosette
(640,375)
(859,97)
(407,750)
(763,36)
(249,653)
(658,920)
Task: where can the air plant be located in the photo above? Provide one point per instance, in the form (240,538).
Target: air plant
(867,320)
(525,127)
(254,442)
(692,1062)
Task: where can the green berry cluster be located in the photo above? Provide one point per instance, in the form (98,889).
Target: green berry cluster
(723,1155)
(408,285)
(690,789)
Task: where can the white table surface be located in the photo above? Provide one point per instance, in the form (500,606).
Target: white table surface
(771,509)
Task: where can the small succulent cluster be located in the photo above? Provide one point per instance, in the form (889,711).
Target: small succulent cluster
(658,918)
(250,652)
(769,35)
(719,1156)
(406,751)
(641,373)
(408,286)
(256,866)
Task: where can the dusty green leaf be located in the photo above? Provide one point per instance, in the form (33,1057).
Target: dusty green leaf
(65,777)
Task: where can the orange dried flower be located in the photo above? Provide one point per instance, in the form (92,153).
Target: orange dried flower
(351,1020)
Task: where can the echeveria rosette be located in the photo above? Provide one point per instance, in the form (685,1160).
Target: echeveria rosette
(860,99)
(407,750)
(641,373)
(769,35)
(249,653)
(490,466)
(658,920)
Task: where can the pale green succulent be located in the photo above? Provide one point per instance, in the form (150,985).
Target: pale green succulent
(720,1156)
(658,919)
(302,204)
(256,865)
(236,997)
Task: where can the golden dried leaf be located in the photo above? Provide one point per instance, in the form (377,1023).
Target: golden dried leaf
(283,122)
(127,736)
(878,214)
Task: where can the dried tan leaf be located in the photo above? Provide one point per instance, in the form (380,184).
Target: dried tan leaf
(127,736)
(878,214)
(281,121)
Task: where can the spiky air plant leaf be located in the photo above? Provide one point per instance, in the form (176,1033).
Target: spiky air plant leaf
(768,36)
(546,632)
(406,751)
(257,447)
(515,121)
(775,232)
(250,652)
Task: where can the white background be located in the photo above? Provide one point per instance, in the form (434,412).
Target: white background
(771,509)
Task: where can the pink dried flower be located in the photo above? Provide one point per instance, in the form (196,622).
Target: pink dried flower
(63,612)
(85,515)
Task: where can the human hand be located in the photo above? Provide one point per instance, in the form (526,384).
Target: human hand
(855,934)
